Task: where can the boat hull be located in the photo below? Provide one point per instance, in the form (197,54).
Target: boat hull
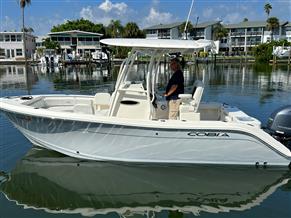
(113,142)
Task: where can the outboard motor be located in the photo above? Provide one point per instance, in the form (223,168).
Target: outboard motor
(279,125)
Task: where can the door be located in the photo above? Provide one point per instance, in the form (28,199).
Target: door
(74,40)
(8,53)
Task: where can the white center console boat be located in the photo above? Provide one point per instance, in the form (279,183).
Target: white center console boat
(131,125)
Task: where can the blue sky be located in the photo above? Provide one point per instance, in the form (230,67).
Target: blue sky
(41,15)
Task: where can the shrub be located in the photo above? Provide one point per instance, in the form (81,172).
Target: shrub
(263,52)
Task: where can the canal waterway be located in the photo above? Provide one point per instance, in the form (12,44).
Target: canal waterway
(41,183)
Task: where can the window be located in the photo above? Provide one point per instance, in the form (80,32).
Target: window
(18,38)
(2,52)
(1,38)
(13,38)
(7,38)
(18,52)
(20,71)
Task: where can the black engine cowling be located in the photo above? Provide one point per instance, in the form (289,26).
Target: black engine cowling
(279,125)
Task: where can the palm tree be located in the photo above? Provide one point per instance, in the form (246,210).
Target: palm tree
(220,32)
(114,29)
(268,8)
(131,30)
(23,4)
(272,23)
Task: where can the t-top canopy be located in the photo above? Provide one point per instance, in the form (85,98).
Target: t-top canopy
(160,43)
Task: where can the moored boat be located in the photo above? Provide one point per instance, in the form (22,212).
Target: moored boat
(131,125)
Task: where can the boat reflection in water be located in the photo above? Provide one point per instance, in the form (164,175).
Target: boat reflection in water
(58,184)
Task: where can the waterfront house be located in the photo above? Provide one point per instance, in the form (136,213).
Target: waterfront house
(78,41)
(11,45)
(245,35)
(40,42)
(286,31)
(204,30)
(164,31)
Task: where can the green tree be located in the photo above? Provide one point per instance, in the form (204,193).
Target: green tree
(23,4)
(268,8)
(80,24)
(49,44)
(131,30)
(114,29)
(263,52)
(219,32)
(189,28)
(272,23)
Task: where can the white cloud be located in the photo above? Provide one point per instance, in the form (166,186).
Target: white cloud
(156,17)
(107,11)
(108,6)
(87,13)
(207,13)
(233,17)
(7,24)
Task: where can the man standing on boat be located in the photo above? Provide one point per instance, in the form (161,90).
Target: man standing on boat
(174,88)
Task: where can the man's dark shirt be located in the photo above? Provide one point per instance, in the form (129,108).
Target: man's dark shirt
(176,79)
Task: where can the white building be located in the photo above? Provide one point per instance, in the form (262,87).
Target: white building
(245,35)
(204,30)
(164,31)
(75,40)
(11,45)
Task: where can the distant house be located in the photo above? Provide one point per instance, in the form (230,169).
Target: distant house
(164,31)
(11,45)
(204,30)
(76,40)
(286,31)
(245,35)
(39,42)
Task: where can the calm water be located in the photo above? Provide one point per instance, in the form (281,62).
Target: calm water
(39,183)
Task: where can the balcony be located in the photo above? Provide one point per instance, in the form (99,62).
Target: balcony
(65,43)
(255,33)
(164,36)
(249,43)
(237,43)
(237,33)
(199,34)
(88,43)
(152,35)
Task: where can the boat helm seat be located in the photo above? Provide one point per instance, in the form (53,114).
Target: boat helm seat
(190,102)
(101,101)
(194,98)
(197,92)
